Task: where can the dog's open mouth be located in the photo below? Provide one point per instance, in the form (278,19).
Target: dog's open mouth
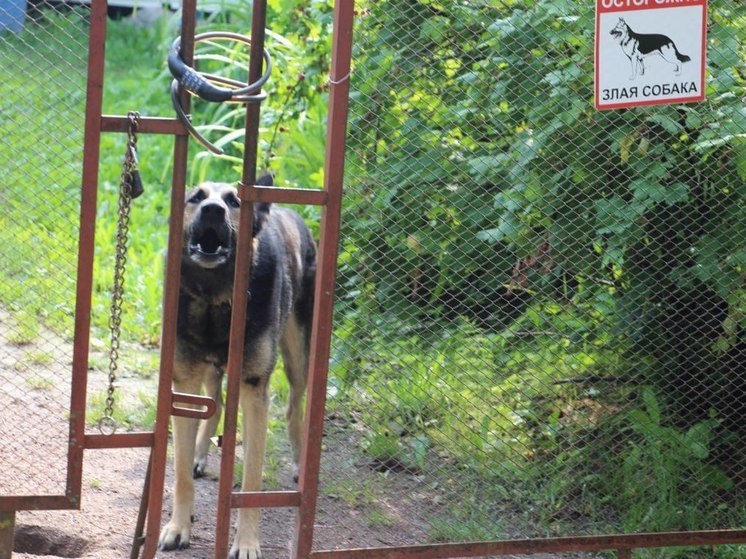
(209,248)
(615,33)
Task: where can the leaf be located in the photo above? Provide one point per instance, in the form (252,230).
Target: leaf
(651,406)
(648,191)
(487,167)
(508,227)
(676,193)
(715,478)
(697,439)
(624,147)
(434,28)
(739,147)
(669,124)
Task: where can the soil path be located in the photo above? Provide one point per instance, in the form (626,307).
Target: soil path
(357,506)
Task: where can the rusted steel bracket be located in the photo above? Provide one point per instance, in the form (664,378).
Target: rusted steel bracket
(208,404)
(7,526)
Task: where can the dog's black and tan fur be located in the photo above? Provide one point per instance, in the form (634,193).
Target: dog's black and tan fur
(278,319)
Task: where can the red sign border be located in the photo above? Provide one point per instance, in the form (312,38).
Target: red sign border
(669,101)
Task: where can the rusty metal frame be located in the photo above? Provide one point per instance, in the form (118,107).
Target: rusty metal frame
(329,198)
(305,498)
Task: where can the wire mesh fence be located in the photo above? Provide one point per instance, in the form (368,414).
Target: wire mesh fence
(540,316)
(41,131)
(540,324)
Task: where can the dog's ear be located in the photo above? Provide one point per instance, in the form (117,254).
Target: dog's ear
(265,180)
(261,216)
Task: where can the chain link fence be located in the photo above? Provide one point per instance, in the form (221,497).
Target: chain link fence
(41,128)
(540,323)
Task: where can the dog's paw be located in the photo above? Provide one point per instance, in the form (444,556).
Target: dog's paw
(174,537)
(200,466)
(252,551)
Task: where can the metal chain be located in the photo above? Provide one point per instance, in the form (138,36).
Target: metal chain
(108,425)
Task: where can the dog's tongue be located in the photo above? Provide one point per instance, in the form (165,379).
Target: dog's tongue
(208,243)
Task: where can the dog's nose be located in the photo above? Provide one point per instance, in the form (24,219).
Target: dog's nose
(213,210)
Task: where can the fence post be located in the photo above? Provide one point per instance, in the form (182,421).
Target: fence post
(339,85)
(7,526)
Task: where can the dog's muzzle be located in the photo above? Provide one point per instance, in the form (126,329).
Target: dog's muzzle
(210,239)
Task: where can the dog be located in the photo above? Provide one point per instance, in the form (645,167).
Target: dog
(638,46)
(278,320)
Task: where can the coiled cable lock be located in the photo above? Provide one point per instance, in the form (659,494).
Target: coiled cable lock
(203,84)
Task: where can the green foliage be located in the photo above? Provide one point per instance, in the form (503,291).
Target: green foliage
(578,244)
(293,125)
(665,473)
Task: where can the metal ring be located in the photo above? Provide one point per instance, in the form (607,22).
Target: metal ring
(107,425)
(241,88)
(200,82)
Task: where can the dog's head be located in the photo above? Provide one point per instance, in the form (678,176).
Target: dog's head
(211,222)
(620,29)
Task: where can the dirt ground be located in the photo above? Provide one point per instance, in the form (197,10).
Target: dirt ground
(357,507)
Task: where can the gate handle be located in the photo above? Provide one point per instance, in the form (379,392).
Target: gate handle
(208,404)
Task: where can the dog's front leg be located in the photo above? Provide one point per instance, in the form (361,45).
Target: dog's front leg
(208,427)
(176,534)
(255,408)
(633,62)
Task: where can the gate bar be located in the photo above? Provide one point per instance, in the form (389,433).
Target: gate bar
(146,125)
(282,195)
(170,304)
(271,499)
(121,440)
(321,331)
(239,299)
(7,528)
(86,247)
(542,545)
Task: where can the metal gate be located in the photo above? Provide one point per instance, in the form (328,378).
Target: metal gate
(538,343)
(168,402)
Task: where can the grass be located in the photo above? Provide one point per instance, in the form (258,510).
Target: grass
(132,410)
(38,270)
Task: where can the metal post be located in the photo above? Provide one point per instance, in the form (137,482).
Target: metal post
(86,246)
(339,85)
(7,527)
(170,304)
(240,288)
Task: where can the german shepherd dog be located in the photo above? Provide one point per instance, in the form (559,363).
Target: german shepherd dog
(278,318)
(637,46)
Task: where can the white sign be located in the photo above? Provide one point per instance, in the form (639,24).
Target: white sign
(649,52)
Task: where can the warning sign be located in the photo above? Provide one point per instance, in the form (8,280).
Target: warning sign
(649,52)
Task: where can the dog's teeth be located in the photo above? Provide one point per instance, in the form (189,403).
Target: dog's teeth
(199,247)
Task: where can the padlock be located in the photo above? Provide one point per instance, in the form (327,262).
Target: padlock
(136,186)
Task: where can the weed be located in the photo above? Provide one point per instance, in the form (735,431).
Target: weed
(355,492)
(379,519)
(24,332)
(39,383)
(129,411)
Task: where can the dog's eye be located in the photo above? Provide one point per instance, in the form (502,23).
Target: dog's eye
(197,197)
(232,201)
